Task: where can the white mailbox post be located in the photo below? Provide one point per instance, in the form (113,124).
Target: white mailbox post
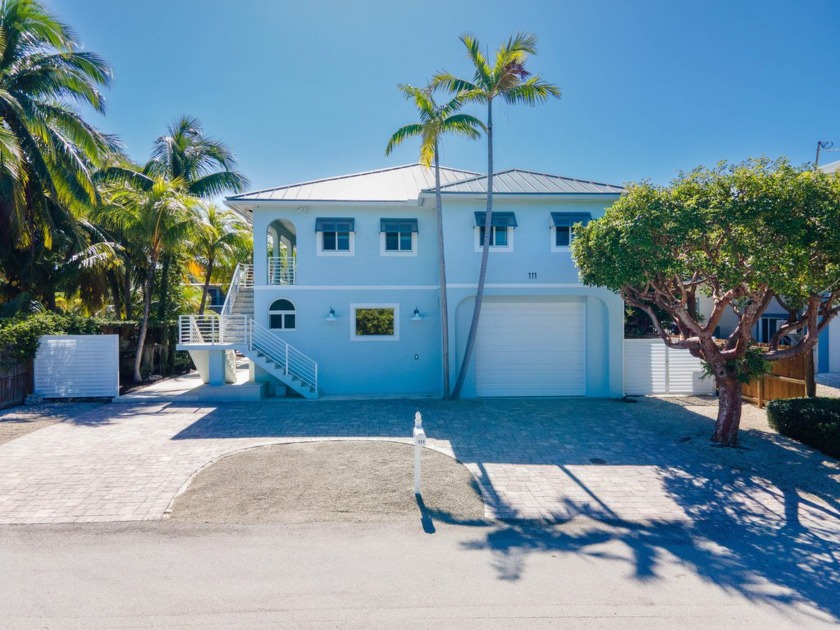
(419,443)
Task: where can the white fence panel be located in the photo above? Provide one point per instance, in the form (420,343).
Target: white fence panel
(651,367)
(78,366)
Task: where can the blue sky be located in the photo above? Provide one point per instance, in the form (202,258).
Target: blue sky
(307,89)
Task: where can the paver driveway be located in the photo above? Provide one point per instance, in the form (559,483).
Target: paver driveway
(550,459)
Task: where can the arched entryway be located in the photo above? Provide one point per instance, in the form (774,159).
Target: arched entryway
(281,240)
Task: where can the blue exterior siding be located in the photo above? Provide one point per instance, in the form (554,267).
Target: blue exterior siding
(412,364)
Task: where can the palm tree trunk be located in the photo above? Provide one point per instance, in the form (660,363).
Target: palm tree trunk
(444,308)
(206,287)
(485,254)
(144,323)
(114,282)
(129,304)
(164,288)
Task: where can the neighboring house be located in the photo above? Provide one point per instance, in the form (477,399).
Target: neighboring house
(349,278)
(828,350)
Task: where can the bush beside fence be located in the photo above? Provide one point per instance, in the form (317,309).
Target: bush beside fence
(812,421)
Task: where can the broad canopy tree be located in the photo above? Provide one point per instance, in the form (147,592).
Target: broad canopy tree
(742,235)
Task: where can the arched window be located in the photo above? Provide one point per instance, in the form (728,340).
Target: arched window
(281,315)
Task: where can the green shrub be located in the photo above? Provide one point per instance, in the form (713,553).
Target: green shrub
(812,421)
(19,335)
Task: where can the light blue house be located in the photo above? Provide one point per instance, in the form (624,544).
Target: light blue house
(343,296)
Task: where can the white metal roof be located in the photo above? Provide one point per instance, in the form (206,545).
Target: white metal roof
(401,183)
(832,167)
(518,182)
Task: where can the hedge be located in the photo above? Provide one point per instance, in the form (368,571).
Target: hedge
(812,421)
(19,335)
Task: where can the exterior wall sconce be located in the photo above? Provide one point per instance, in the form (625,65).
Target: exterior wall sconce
(331,315)
(417,316)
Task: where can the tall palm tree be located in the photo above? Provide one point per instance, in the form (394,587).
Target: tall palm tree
(220,235)
(508,80)
(435,121)
(48,150)
(204,164)
(155,215)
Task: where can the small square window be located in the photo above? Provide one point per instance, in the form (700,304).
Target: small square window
(398,242)
(336,241)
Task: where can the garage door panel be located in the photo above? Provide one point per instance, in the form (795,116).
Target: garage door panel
(531,349)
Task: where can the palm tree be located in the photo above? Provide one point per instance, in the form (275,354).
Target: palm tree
(507,79)
(204,164)
(48,150)
(155,215)
(435,121)
(218,238)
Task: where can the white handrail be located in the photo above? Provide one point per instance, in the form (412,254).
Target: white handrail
(244,332)
(243,276)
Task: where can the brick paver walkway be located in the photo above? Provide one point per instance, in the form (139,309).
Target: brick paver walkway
(549,459)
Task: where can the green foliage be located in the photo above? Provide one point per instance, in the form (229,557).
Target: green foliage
(374,321)
(812,421)
(19,335)
(746,368)
(759,223)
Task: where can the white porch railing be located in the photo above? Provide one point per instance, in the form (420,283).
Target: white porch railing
(281,269)
(243,276)
(249,336)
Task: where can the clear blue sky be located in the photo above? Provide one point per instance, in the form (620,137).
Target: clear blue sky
(307,89)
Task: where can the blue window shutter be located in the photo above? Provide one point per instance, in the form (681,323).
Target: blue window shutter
(400,226)
(568,219)
(335,225)
(500,219)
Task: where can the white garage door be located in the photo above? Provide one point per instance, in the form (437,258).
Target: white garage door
(531,349)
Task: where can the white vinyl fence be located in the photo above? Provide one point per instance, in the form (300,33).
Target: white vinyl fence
(78,366)
(651,367)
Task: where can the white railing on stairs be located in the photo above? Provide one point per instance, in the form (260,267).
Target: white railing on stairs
(244,332)
(243,277)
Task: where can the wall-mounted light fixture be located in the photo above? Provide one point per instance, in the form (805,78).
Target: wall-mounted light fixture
(417,316)
(331,315)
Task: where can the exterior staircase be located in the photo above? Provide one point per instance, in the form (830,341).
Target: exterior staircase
(236,329)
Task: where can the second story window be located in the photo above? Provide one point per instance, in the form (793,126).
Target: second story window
(398,237)
(501,231)
(335,236)
(562,228)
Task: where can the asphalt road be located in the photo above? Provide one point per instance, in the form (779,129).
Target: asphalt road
(396,575)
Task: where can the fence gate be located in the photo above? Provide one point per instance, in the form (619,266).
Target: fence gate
(651,367)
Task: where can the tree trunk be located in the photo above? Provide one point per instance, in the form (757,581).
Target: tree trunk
(729,411)
(164,288)
(114,282)
(144,323)
(129,304)
(485,253)
(206,287)
(444,307)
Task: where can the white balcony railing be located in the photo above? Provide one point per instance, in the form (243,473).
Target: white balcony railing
(281,269)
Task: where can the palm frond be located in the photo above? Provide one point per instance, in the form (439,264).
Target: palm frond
(401,134)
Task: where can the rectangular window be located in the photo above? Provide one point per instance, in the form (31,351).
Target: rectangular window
(498,236)
(562,226)
(502,225)
(375,322)
(335,235)
(398,235)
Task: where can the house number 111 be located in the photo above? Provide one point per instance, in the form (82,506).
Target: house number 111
(532,275)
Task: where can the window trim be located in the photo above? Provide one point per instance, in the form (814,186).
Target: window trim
(383,251)
(355,337)
(335,225)
(554,226)
(283,313)
(477,244)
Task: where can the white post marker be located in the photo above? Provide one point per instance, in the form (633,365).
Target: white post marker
(419,443)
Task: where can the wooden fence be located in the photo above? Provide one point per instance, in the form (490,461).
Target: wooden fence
(15,384)
(789,379)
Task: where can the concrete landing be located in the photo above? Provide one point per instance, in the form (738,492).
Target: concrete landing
(189,388)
